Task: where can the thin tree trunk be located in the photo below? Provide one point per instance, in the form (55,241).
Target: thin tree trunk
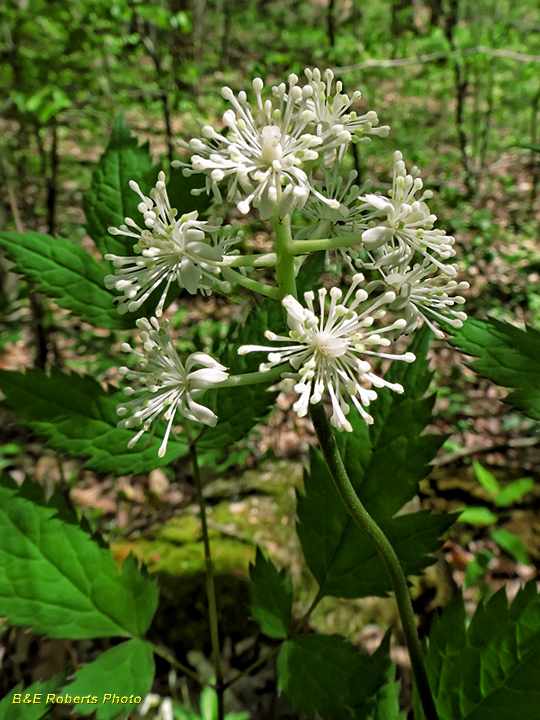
(52,182)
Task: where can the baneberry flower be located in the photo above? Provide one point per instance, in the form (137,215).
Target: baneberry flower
(336,123)
(167,385)
(168,249)
(402,225)
(331,351)
(261,157)
(422,296)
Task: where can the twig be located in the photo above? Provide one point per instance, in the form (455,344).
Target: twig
(432,57)
(448,458)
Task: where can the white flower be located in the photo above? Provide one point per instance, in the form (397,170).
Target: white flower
(337,124)
(330,351)
(169,249)
(343,221)
(173,386)
(407,226)
(262,154)
(418,292)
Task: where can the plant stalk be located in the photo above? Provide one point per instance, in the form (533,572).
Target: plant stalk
(210,584)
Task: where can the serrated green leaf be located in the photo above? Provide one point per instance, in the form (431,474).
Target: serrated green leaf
(110,199)
(79,418)
(485,478)
(477,516)
(324,675)
(385,464)
(514,491)
(125,671)
(37,707)
(382,701)
(491,669)
(65,272)
(508,356)
(271,597)
(512,544)
(58,581)
(239,409)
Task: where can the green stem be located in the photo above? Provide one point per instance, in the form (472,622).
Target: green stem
(255,260)
(364,520)
(252,667)
(300,623)
(210,584)
(285,264)
(302,247)
(253,378)
(237,278)
(177,664)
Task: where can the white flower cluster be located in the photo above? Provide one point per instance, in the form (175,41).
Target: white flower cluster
(266,155)
(173,386)
(331,352)
(280,154)
(168,249)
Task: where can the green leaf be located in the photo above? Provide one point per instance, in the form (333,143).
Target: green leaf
(239,409)
(79,418)
(385,464)
(485,478)
(508,356)
(512,544)
(58,581)
(121,673)
(489,669)
(477,568)
(327,676)
(209,704)
(110,199)
(514,491)
(383,704)
(271,597)
(477,516)
(37,693)
(65,272)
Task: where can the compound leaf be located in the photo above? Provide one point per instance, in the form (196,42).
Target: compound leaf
(57,580)
(65,272)
(122,673)
(79,418)
(271,597)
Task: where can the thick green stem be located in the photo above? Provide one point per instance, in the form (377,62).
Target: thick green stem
(285,264)
(210,584)
(364,520)
(285,249)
